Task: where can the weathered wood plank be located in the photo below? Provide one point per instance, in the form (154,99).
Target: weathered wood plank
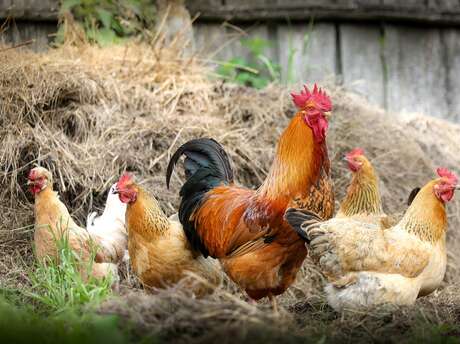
(362,70)
(211,40)
(37,10)
(416,75)
(444,12)
(307,55)
(451,47)
(20,32)
(432,11)
(222,43)
(238,49)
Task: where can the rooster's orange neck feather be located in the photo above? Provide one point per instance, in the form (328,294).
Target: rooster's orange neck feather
(426,217)
(297,164)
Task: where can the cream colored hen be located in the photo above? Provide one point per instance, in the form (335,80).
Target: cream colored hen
(53,222)
(367,265)
(160,254)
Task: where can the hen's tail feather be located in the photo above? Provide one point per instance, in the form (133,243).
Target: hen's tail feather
(206,166)
(90,220)
(412,195)
(300,220)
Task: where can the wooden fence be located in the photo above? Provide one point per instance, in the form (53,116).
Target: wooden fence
(402,55)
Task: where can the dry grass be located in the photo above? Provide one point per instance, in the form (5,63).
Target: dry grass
(88,113)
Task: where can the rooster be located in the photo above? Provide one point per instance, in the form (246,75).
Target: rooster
(159,251)
(367,265)
(53,222)
(245,228)
(109,228)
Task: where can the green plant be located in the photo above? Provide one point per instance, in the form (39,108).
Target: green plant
(23,325)
(57,285)
(255,71)
(110,21)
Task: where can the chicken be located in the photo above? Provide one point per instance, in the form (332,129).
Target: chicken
(159,252)
(367,265)
(53,222)
(363,201)
(245,228)
(109,228)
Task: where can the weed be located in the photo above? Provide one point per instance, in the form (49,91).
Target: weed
(22,325)
(110,21)
(257,71)
(57,285)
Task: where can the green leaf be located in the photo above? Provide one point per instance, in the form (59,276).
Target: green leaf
(255,45)
(118,28)
(105,36)
(67,5)
(260,82)
(105,17)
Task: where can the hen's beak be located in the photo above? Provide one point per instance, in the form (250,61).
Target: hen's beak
(327,114)
(116,191)
(29,182)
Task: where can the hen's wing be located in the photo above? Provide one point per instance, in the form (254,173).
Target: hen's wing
(356,246)
(342,245)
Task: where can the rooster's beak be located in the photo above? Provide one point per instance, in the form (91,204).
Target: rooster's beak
(116,191)
(327,114)
(29,182)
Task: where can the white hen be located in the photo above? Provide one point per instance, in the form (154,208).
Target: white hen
(109,228)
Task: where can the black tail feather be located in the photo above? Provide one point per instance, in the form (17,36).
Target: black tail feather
(299,218)
(202,152)
(412,195)
(206,166)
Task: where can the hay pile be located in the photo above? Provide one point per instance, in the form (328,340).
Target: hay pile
(88,114)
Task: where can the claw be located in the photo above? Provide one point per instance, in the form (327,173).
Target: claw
(319,250)
(314,233)
(319,240)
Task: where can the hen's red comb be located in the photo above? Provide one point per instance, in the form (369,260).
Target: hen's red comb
(32,174)
(317,96)
(355,152)
(444,172)
(124,179)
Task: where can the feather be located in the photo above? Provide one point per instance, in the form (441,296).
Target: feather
(298,218)
(206,166)
(109,228)
(412,195)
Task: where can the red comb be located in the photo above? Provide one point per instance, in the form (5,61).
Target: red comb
(317,96)
(125,178)
(355,152)
(445,173)
(32,174)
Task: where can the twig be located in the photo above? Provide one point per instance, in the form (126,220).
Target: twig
(30,41)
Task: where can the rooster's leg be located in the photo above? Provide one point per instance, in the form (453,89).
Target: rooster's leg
(274,303)
(252,302)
